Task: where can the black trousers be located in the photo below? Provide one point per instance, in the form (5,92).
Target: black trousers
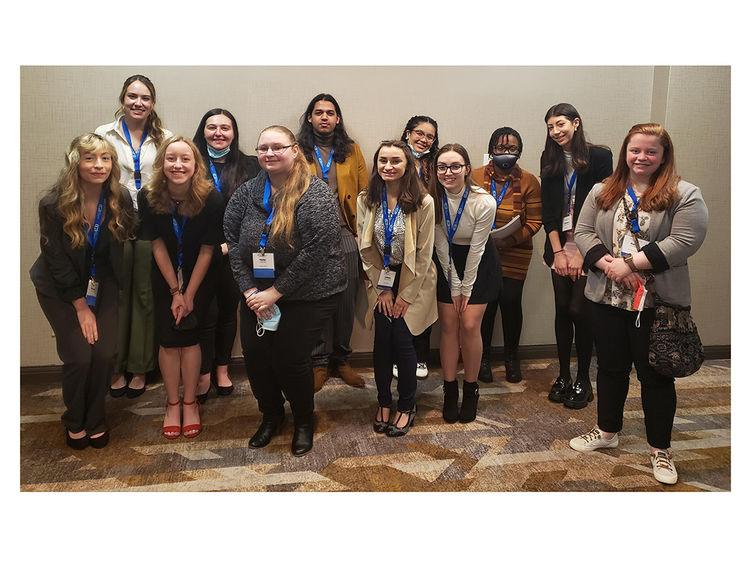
(393,343)
(218,336)
(510,302)
(619,345)
(278,363)
(572,312)
(86,368)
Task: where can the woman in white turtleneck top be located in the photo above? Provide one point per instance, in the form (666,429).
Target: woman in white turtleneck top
(469,274)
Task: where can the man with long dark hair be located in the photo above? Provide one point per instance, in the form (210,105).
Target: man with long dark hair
(334,157)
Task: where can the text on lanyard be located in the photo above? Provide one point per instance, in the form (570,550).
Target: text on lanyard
(215,176)
(388,228)
(270,210)
(324,168)
(633,215)
(136,154)
(499,199)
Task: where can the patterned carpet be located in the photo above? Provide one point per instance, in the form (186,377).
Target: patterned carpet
(519,442)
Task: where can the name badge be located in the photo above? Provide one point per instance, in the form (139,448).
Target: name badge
(180,278)
(568,223)
(263,265)
(386,279)
(628,246)
(91,292)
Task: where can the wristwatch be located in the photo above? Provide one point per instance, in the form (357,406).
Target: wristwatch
(629,259)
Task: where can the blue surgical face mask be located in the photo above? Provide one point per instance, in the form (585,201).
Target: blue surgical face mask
(217,154)
(505,161)
(269,324)
(417,155)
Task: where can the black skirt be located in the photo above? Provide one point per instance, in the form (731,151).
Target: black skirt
(489,278)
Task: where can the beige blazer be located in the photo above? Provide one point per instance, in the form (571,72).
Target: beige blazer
(417,281)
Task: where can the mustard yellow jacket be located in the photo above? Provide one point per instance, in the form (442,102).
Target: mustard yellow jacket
(417,281)
(351,179)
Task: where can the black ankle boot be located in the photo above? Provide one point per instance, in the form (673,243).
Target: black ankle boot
(470,396)
(580,394)
(302,439)
(559,390)
(486,373)
(513,367)
(451,401)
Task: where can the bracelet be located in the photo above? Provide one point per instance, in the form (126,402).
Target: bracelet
(629,259)
(251,295)
(175,291)
(557,251)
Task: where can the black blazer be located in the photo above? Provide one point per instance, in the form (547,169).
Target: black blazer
(61,271)
(600,167)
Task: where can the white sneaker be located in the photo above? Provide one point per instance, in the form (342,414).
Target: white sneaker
(395,371)
(422,370)
(663,467)
(592,441)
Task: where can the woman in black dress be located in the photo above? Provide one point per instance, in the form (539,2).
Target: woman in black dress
(569,167)
(84,221)
(227,167)
(181,214)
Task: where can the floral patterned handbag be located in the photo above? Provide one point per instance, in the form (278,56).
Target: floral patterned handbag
(675,349)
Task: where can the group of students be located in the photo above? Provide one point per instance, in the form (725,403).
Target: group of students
(293,231)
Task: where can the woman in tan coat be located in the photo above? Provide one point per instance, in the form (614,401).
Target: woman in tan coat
(396,229)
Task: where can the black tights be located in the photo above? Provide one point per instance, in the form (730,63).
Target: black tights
(571,314)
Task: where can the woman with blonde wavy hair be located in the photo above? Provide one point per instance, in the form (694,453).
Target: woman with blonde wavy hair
(181,214)
(282,230)
(84,221)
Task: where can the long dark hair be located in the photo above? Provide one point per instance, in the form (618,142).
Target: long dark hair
(436,188)
(306,136)
(429,159)
(552,161)
(233,174)
(412,189)
(153,122)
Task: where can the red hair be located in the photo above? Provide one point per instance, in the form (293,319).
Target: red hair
(662,189)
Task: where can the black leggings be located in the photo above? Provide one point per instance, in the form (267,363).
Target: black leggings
(571,312)
(510,302)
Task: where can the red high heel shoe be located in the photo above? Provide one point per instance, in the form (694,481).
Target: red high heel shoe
(171,432)
(192,430)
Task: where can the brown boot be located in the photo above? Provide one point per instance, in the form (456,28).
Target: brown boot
(320,375)
(349,376)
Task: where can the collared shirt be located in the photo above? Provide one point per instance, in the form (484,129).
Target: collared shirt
(113,132)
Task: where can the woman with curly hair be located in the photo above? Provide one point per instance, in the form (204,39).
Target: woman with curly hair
(136,135)
(84,220)
(181,214)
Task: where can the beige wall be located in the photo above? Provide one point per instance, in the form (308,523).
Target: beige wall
(58,103)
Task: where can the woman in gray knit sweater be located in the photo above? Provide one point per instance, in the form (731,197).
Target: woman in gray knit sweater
(283,237)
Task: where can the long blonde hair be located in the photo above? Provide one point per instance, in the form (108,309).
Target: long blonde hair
(294,187)
(70,194)
(153,122)
(200,187)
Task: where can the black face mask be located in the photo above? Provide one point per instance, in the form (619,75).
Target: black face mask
(505,161)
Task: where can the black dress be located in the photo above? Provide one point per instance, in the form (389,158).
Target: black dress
(202,229)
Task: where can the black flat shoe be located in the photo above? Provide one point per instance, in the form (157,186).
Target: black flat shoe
(395,431)
(561,387)
(486,374)
(76,443)
(133,393)
(265,432)
(203,396)
(580,394)
(302,440)
(224,390)
(118,392)
(100,441)
(380,425)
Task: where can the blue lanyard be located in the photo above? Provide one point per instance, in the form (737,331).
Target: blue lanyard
(634,215)
(498,200)
(217,178)
(93,233)
(451,229)
(388,228)
(179,234)
(324,169)
(570,187)
(136,155)
(270,211)
(419,172)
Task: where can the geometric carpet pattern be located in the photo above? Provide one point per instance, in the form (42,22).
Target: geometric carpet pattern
(519,442)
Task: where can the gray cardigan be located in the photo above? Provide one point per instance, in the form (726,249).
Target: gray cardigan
(674,235)
(313,268)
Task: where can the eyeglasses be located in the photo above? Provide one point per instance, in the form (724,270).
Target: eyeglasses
(500,149)
(424,135)
(455,168)
(277,150)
